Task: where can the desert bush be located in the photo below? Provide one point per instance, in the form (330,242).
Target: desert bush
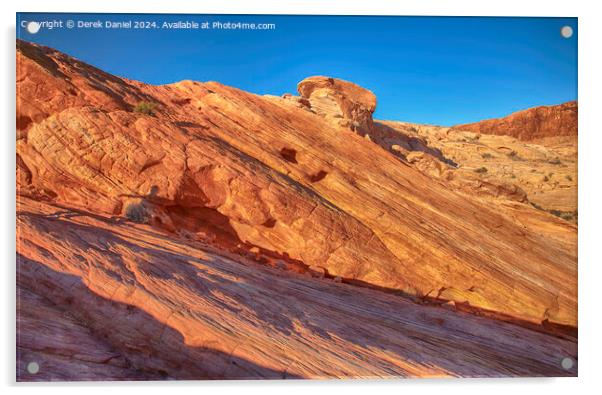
(486,155)
(566,215)
(481,170)
(555,161)
(145,107)
(137,213)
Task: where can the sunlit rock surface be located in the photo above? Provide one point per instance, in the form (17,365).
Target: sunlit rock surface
(245,236)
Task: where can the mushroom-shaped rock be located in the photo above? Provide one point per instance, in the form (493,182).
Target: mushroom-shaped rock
(344,103)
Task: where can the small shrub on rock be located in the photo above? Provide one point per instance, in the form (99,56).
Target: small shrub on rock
(138,213)
(145,107)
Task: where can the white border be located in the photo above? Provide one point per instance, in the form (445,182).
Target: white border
(338,7)
(590,179)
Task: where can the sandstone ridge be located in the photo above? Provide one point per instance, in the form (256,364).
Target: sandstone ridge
(531,124)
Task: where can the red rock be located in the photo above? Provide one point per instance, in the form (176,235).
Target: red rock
(189,164)
(249,173)
(349,104)
(534,123)
(140,305)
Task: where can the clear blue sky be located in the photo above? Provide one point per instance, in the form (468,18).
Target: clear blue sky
(437,70)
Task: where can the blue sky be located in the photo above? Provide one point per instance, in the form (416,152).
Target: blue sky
(437,70)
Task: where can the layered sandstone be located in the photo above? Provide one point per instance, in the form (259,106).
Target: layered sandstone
(534,123)
(105,299)
(541,173)
(219,176)
(344,103)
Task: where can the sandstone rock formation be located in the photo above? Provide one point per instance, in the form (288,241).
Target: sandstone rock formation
(212,231)
(112,299)
(542,173)
(343,102)
(534,123)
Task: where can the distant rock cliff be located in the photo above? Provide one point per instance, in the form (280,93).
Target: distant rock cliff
(533,123)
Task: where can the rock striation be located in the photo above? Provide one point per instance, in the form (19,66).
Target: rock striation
(346,104)
(103,299)
(542,174)
(169,221)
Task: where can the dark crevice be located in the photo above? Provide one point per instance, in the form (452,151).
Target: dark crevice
(23,122)
(270,223)
(289,155)
(319,176)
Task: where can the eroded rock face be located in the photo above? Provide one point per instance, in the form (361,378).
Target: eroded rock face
(62,346)
(542,173)
(342,102)
(104,299)
(279,178)
(531,124)
(289,183)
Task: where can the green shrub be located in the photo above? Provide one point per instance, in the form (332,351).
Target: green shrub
(145,107)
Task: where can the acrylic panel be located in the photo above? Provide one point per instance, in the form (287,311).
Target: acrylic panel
(295,197)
